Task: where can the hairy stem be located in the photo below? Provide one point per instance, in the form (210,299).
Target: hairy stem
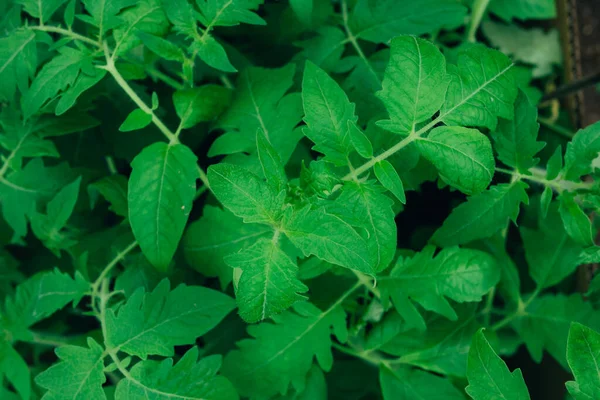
(538,176)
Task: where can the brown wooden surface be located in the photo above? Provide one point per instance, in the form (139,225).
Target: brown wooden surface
(579,22)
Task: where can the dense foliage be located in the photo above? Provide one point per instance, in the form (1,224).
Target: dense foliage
(294,200)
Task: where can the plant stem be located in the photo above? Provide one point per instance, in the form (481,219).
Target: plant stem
(561,130)
(48,339)
(203,177)
(538,176)
(111,265)
(367,282)
(415,135)
(353,40)
(112,70)
(110,67)
(478,10)
(521,311)
(65,32)
(389,152)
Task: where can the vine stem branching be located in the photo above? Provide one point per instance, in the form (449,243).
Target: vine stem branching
(538,175)
(520,311)
(110,67)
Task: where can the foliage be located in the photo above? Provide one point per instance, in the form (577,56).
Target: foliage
(226,199)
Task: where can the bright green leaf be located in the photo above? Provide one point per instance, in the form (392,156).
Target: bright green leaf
(389,178)
(152,323)
(187,379)
(583,354)
(482,215)
(327,114)
(414,84)
(161,190)
(489,377)
(462,156)
(268,284)
(200,104)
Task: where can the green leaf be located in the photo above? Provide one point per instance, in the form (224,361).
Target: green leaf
(152,323)
(34,185)
(576,222)
(537,47)
(583,354)
(551,254)
(410,384)
(414,84)
(482,215)
(270,162)
(215,235)
(489,377)
(282,352)
(463,275)
(70,96)
(524,9)
(161,190)
(515,139)
(104,13)
(325,48)
(462,156)
(146,16)
(18,62)
(260,102)
(545,325)
(268,284)
(39,297)
(161,47)
(200,104)
(58,74)
(555,164)
(23,139)
(443,348)
(581,151)
(114,189)
(245,194)
(15,369)
(364,206)
(187,379)
(482,76)
(42,9)
(303,10)
(327,114)
(379,21)
(47,227)
(181,15)
(228,12)
(137,119)
(138,273)
(545,200)
(78,375)
(316,232)
(212,53)
(360,141)
(389,178)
